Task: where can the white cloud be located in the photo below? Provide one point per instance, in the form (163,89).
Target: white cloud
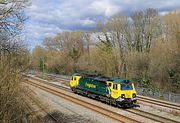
(88,22)
(104,7)
(164,13)
(48,17)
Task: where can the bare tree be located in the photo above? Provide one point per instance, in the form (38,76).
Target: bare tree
(117,35)
(13,59)
(11,24)
(146,26)
(87,38)
(67,44)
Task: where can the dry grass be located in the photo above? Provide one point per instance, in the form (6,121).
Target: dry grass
(38,106)
(175,113)
(12,106)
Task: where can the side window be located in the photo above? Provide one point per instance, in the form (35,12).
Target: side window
(109,84)
(74,78)
(115,86)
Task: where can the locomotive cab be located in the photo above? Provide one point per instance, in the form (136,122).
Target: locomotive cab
(74,81)
(123,92)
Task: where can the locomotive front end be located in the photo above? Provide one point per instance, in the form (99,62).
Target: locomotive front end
(123,92)
(128,95)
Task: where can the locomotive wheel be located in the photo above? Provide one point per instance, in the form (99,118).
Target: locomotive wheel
(74,90)
(119,105)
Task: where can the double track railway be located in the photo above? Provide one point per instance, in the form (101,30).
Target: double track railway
(53,88)
(173,106)
(68,96)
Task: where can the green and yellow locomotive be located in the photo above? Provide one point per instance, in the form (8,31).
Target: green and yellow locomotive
(115,91)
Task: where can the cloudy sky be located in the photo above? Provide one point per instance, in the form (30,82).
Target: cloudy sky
(48,17)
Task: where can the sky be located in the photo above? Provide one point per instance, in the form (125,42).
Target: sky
(49,17)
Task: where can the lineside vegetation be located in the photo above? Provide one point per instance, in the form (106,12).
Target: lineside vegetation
(14,59)
(143,47)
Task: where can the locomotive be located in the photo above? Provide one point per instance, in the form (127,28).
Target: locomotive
(116,91)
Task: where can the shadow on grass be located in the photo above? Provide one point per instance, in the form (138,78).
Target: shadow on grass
(65,118)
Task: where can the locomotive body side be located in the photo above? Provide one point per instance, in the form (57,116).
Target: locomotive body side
(92,86)
(89,85)
(117,91)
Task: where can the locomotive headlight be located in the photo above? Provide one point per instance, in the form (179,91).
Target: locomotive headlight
(120,98)
(134,95)
(122,95)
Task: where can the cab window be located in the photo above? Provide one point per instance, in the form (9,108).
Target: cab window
(115,87)
(126,86)
(72,78)
(109,84)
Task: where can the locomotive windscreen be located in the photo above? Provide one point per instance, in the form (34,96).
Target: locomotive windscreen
(126,86)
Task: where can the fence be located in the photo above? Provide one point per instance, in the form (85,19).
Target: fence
(168,96)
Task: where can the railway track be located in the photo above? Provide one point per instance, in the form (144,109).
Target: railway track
(142,98)
(173,106)
(170,105)
(35,110)
(152,116)
(41,110)
(102,110)
(134,111)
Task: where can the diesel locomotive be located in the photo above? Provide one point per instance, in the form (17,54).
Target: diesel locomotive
(116,91)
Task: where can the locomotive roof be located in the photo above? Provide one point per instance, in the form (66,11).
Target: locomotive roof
(119,81)
(103,78)
(77,74)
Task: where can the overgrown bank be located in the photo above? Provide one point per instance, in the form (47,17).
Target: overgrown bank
(14,59)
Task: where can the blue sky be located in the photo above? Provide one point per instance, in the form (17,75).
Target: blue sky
(49,17)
